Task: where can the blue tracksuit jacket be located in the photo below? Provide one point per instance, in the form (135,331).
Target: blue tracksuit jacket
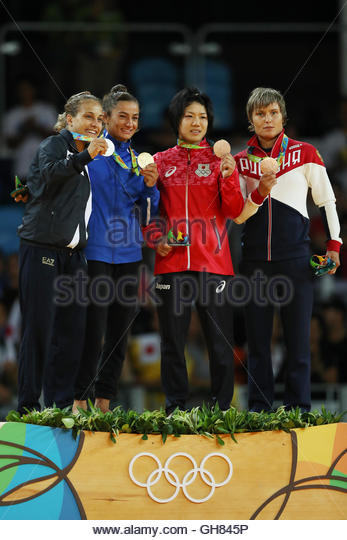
(121,204)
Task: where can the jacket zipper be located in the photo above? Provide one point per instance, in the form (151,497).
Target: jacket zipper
(214,225)
(269,228)
(187,216)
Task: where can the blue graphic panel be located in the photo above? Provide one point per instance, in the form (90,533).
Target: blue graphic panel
(45,452)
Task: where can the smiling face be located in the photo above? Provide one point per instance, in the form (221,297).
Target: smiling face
(194,123)
(123,121)
(268,124)
(88,120)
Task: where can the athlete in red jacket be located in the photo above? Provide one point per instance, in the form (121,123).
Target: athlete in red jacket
(198,193)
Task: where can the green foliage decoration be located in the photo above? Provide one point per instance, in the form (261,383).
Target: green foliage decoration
(206,420)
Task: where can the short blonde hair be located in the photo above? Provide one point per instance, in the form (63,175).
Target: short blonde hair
(263,97)
(72,106)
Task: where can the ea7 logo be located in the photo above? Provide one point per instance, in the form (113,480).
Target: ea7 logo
(47,260)
(203,169)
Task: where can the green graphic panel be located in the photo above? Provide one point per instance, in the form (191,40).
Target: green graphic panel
(8,433)
(339,483)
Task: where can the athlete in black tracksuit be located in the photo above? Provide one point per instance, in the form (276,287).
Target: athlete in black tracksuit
(53,233)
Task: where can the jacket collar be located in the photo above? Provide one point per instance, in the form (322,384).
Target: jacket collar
(204,143)
(254,143)
(66,134)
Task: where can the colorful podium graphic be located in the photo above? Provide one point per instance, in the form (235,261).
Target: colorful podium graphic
(46,474)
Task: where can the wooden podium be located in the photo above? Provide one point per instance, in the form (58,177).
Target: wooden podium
(265,475)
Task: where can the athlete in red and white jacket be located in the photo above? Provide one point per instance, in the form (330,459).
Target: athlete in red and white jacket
(276,249)
(280,229)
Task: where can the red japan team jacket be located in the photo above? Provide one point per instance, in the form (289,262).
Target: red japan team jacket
(195,201)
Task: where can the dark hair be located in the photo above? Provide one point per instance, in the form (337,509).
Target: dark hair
(181,100)
(263,97)
(116,94)
(72,106)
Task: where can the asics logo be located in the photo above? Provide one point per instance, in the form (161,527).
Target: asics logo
(172,478)
(221,286)
(170,171)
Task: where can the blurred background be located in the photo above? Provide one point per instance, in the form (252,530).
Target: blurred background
(50,50)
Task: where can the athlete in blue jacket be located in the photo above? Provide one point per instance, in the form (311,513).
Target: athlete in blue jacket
(123,200)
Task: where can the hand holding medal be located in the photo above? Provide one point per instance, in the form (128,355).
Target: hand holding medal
(269,165)
(144,159)
(110,148)
(98,146)
(148,168)
(222,150)
(268,168)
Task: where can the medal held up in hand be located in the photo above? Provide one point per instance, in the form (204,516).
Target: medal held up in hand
(269,165)
(110,148)
(144,159)
(221,148)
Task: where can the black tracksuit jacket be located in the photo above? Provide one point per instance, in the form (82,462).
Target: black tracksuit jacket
(59,191)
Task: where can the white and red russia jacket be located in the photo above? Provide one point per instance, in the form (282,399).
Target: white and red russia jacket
(280,228)
(195,200)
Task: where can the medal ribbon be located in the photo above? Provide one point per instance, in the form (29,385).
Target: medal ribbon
(116,157)
(79,137)
(280,156)
(134,168)
(191,146)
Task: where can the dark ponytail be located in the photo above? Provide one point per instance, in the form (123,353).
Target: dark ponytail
(119,92)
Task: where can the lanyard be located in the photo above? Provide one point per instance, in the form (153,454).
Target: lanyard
(280,156)
(116,157)
(180,142)
(119,160)
(79,137)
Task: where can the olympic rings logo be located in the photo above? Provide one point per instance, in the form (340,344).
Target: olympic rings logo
(173,479)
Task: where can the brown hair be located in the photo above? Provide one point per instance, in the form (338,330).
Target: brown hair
(116,94)
(72,106)
(263,97)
